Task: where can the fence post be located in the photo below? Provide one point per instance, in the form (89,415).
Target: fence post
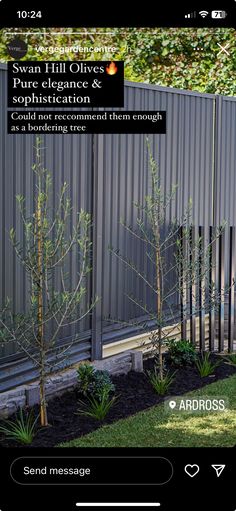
(212,280)
(183,287)
(96,335)
(216,158)
(221,289)
(193,290)
(201,289)
(232,255)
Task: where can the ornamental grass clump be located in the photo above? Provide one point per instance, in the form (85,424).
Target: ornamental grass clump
(22,429)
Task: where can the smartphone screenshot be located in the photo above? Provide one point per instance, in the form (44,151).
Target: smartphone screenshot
(117,257)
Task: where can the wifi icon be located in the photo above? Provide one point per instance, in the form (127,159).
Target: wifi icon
(203,14)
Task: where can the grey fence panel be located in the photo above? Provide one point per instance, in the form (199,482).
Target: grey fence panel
(225,167)
(226,162)
(106,175)
(69,159)
(184,156)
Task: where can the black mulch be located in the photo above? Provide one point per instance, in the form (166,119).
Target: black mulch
(135,394)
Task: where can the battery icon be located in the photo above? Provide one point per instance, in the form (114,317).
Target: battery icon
(218,14)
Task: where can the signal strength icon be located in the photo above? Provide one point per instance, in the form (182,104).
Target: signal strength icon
(191,15)
(203,14)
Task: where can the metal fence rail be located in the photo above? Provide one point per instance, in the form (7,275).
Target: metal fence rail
(213,295)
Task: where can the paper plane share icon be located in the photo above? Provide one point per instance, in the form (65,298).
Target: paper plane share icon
(219,469)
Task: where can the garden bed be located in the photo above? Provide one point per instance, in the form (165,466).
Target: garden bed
(135,394)
(155,427)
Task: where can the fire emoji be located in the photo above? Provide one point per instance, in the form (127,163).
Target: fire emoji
(111,69)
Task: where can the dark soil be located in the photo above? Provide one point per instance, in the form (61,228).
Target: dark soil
(135,394)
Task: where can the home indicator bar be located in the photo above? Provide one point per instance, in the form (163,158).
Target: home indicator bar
(118,504)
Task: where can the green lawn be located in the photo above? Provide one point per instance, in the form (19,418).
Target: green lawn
(155,428)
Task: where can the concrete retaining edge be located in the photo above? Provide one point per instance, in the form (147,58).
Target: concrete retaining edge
(28,395)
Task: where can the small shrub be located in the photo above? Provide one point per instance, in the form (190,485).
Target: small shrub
(160,385)
(22,429)
(100,384)
(204,365)
(97,408)
(94,382)
(85,377)
(231,359)
(182,352)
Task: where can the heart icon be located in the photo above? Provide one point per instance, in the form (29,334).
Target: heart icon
(172,404)
(191,470)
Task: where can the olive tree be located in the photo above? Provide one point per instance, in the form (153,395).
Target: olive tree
(177,263)
(53,302)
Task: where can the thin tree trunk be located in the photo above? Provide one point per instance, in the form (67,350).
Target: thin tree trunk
(159,310)
(43,407)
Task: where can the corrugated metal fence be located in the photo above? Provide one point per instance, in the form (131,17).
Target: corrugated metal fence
(106,174)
